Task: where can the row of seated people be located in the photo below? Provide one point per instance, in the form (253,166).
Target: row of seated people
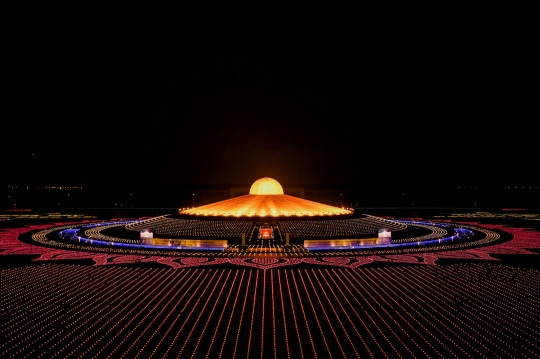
(196,228)
(166,226)
(149,223)
(337,227)
(296,228)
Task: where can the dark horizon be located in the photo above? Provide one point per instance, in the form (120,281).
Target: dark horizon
(398,196)
(192,112)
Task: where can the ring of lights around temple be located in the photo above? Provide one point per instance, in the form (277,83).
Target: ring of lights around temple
(266,199)
(297,228)
(98,237)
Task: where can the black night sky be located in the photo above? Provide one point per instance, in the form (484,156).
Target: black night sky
(342,110)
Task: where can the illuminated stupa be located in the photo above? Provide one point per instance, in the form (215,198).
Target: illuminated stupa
(266,199)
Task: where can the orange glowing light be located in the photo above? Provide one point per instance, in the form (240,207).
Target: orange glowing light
(265,186)
(266,199)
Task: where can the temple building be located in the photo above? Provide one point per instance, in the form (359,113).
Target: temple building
(266,199)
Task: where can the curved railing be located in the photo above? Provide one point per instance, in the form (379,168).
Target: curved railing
(71,234)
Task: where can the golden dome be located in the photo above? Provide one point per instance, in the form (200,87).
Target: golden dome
(266,185)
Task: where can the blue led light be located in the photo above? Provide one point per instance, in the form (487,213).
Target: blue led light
(70,234)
